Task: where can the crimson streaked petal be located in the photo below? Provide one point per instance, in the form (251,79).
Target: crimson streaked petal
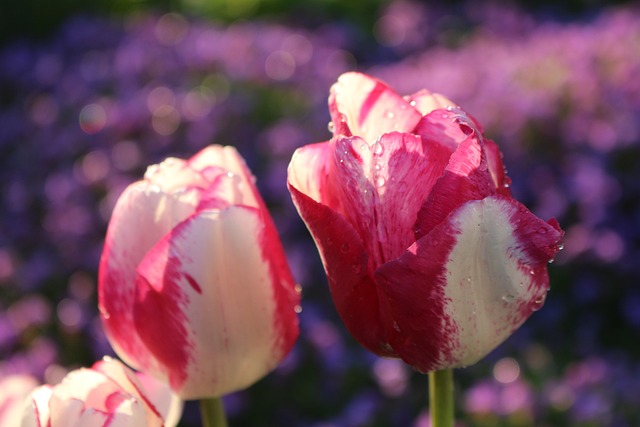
(402,172)
(363,106)
(224,250)
(477,277)
(142,216)
(466,177)
(346,263)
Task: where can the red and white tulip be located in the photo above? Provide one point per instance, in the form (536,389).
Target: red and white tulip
(194,286)
(108,394)
(429,257)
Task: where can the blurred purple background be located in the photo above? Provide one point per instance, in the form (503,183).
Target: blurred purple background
(83,112)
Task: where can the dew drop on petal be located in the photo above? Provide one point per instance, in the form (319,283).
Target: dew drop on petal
(390,114)
(298,309)
(377,148)
(331,127)
(380,182)
(508,298)
(298,289)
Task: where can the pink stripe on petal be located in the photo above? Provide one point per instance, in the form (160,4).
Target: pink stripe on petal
(370,108)
(159,310)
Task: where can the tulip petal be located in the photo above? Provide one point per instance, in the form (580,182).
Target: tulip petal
(36,410)
(240,189)
(141,217)
(466,177)
(401,173)
(447,126)
(308,170)
(346,263)
(425,101)
(463,288)
(363,106)
(497,169)
(226,250)
(147,393)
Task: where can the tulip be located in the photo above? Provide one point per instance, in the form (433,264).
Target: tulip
(194,286)
(107,394)
(13,390)
(429,258)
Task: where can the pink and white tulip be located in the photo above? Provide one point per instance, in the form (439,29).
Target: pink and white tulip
(108,394)
(429,258)
(194,286)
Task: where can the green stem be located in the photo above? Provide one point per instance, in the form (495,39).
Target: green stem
(441,398)
(212,412)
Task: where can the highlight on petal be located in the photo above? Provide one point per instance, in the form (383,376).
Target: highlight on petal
(244,344)
(308,170)
(363,106)
(36,407)
(14,388)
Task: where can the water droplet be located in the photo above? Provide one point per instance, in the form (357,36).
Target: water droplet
(508,298)
(298,289)
(230,174)
(413,103)
(380,182)
(331,127)
(390,114)
(560,247)
(542,230)
(551,261)
(532,272)
(298,309)
(506,185)
(377,148)
(377,166)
